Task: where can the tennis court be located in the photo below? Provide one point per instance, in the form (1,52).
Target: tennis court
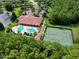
(62,36)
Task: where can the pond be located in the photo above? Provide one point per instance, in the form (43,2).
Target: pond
(62,36)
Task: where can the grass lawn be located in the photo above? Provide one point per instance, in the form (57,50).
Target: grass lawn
(12,24)
(75,31)
(46,22)
(17,11)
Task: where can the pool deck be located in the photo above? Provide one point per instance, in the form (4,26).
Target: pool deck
(15,28)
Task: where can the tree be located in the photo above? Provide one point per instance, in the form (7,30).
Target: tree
(14,46)
(1,27)
(9,7)
(62,12)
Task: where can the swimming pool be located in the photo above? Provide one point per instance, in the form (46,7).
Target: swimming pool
(24,29)
(20,29)
(31,30)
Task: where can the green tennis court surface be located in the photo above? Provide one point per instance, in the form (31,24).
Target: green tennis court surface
(61,36)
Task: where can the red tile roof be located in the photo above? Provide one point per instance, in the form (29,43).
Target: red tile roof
(30,20)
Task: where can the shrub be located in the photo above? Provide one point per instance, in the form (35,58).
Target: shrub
(9,7)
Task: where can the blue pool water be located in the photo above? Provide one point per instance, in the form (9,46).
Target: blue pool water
(31,30)
(20,28)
